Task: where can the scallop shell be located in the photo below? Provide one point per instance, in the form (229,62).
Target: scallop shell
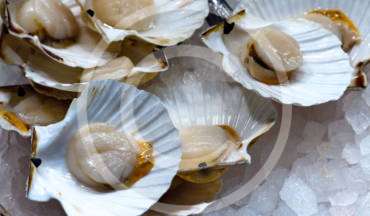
(174,22)
(193,102)
(48,73)
(88,51)
(21,108)
(324,76)
(137,113)
(357,10)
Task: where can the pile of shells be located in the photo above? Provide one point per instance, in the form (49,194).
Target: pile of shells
(115,131)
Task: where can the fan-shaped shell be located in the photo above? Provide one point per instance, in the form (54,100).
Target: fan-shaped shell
(324,76)
(130,111)
(356,10)
(194,103)
(50,74)
(88,51)
(174,22)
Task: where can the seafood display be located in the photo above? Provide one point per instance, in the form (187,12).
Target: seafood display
(122,122)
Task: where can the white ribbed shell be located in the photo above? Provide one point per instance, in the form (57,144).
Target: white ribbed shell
(128,109)
(324,76)
(192,101)
(357,10)
(174,22)
(89,50)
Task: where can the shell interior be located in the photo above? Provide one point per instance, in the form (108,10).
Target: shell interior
(136,113)
(171,21)
(320,49)
(356,11)
(51,74)
(21,107)
(87,50)
(213,123)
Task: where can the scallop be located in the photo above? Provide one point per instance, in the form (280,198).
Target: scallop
(99,155)
(294,61)
(56,28)
(163,23)
(214,131)
(126,14)
(343,18)
(204,145)
(135,68)
(116,151)
(22,107)
(339,23)
(116,69)
(50,17)
(272,56)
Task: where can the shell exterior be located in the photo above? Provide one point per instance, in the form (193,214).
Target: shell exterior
(324,76)
(357,10)
(88,51)
(48,73)
(129,110)
(174,22)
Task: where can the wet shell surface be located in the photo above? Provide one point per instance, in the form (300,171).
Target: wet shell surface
(215,128)
(356,11)
(133,68)
(104,110)
(21,108)
(161,22)
(325,72)
(56,28)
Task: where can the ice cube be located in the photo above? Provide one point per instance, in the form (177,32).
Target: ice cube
(363,207)
(342,211)
(283,210)
(299,196)
(306,146)
(266,197)
(358,115)
(314,131)
(330,150)
(323,176)
(351,153)
(366,96)
(355,179)
(364,143)
(343,198)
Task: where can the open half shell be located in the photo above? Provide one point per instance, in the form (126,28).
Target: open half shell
(132,67)
(161,22)
(83,49)
(325,72)
(126,110)
(202,110)
(273,11)
(21,107)
(215,130)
